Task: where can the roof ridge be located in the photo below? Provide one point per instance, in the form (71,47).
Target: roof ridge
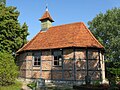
(74,36)
(66,24)
(93,36)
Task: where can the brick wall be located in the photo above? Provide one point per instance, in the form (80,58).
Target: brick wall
(74,65)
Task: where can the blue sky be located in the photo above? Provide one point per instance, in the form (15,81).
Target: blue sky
(62,11)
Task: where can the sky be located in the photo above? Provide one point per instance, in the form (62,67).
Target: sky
(62,11)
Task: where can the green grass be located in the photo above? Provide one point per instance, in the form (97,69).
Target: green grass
(16,86)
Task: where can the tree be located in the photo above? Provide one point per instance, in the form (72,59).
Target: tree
(8,69)
(12,37)
(24,34)
(106,28)
(3,1)
(12,34)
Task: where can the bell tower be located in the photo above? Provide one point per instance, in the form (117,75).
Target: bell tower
(46,20)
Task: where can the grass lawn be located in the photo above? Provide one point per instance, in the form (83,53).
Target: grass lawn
(16,86)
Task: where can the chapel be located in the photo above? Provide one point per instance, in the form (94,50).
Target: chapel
(67,52)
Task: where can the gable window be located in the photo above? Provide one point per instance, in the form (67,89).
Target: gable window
(36,59)
(57,58)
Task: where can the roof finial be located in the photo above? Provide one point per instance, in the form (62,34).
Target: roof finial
(46,5)
(46,8)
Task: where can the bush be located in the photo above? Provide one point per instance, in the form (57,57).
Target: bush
(16,86)
(8,69)
(32,85)
(118,85)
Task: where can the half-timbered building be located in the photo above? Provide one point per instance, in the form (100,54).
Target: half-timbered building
(66,52)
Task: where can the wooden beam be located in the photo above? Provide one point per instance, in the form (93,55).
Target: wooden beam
(74,58)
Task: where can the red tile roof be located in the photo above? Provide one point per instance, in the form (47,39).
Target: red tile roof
(46,15)
(68,35)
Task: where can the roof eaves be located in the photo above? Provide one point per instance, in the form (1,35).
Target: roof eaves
(27,44)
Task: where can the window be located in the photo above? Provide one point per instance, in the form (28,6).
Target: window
(37,60)
(57,58)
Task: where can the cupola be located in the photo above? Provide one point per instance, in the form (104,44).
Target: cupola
(46,20)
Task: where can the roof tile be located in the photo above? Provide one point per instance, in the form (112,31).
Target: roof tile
(46,15)
(62,36)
